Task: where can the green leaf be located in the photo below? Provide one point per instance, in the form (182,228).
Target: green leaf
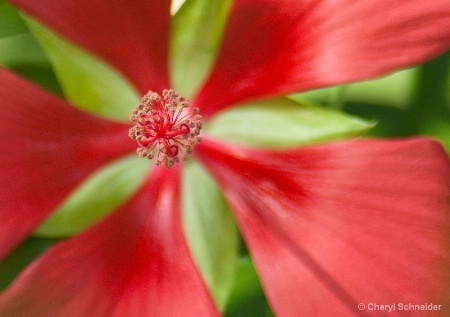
(19,258)
(96,197)
(283,122)
(86,81)
(211,232)
(176,5)
(432,88)
(247,297)
(23,55)
(393,90)
(431,108)
(196,32)
(427,111)
(438,127)
(391,121)
(10,21)
(448,92)
(21,51)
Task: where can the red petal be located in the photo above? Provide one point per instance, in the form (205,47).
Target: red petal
(47,147)
(335,225)
(131,35)
(274,47)
(133,263)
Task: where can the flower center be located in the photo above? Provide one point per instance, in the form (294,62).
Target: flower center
(165,127)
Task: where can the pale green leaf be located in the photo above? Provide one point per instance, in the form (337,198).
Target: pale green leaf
(96,197)
(21,50)
(87,81)
(23,55)
(282,123)
(211,232)
(176,5)
(196,32)
(393,90)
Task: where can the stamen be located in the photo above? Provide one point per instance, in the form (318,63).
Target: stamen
(165,127)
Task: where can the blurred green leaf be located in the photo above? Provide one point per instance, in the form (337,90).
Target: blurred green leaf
(431,107)
(432,88)
(438,127)
(196,32)
(391,121)
(21,51)
(19,258)
(22,54)
(86,81)
(247,297)
(96,197)
(448,91)
(393,90)
(176,5)
(211,232)
(10,21)
(283,122)
(427,110)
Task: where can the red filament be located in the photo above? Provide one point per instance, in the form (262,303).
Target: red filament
(166,128)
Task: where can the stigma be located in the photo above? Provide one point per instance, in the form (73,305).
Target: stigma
(166,127)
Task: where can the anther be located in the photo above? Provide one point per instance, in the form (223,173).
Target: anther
(165,127)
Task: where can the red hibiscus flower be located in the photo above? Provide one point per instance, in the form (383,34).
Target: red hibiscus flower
(328,226)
